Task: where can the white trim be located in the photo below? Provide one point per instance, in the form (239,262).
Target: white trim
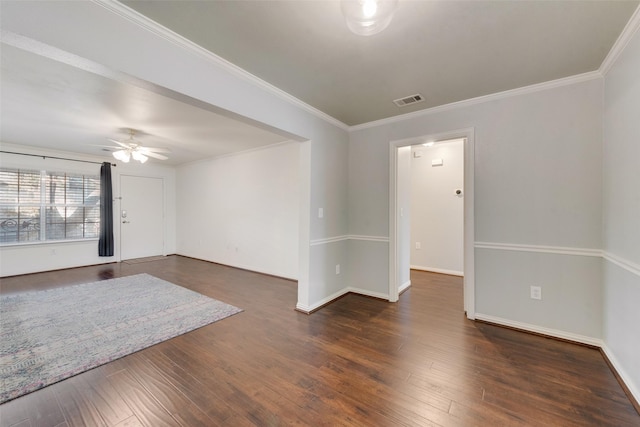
(538,248)
(406,285)
(565,81)
(369,238)
(367,293)
(248,268)
(239,153)
(623,39)
(349,289)
(541,330)
(469,264)
(304,223)
(626,379)
(309,308)
(630,266)
(191,47)
(32,243)
(394,286)
(326,240)
(469,222)
(438,270)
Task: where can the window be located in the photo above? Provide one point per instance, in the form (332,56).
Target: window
(44,206)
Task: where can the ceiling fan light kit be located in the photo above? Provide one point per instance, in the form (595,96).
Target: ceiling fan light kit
(122,155)
(368,17)
(139,156)
(132,148)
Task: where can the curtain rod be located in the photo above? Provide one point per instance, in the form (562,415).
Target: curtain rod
(53,157)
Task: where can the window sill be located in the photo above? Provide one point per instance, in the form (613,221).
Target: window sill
(46,242)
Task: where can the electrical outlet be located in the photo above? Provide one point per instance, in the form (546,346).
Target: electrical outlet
(418,245)
(337,268)
(536,292)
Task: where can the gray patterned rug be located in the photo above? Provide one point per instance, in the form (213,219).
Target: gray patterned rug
(49,335)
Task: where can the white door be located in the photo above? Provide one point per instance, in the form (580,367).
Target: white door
(141,217)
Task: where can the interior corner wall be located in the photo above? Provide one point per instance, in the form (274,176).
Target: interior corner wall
(242,210)
(329,242)
(621,214)
(537,183)
(33,258)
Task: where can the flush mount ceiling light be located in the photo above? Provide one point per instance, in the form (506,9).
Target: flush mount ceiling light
(368,17)
(132,148)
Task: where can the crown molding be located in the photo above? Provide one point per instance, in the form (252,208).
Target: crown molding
(237,153)
(149,25)
(195,49)
(538,87)
(623,40)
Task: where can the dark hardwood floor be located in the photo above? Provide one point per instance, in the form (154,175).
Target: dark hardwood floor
(359,361)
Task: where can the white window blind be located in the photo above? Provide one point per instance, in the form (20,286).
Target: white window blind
(43,206)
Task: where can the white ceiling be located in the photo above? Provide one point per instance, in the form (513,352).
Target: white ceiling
(446,50)
(58,105)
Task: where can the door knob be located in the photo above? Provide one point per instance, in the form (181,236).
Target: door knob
(126,222)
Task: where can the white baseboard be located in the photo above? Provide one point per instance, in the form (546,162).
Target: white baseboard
(404,286)
(308,309)
(541,330)
(437,270)
(243,267)
(368,293)
(626,379)
(335,296)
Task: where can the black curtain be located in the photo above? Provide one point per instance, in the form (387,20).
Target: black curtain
(105,244)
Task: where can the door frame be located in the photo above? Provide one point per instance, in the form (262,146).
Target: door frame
(119,211)
(469,222)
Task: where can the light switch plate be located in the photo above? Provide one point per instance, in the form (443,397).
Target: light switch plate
(536,292)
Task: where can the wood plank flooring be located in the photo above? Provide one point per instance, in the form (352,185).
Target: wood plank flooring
(357,362)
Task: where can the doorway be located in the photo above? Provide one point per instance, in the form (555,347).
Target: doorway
(437,207)
(141,217)
(399,202)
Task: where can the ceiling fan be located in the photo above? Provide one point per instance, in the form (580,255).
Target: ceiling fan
(133,148)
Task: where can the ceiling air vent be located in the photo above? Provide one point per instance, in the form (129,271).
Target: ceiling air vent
(408,100)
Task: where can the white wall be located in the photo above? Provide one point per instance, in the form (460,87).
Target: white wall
(31,258)
(537,183)
(437,213)
(621,214)
(143,50)
(242,210)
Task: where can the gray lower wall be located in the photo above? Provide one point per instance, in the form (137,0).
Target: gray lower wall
(570,284)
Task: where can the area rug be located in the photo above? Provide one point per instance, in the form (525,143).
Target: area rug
(49,335)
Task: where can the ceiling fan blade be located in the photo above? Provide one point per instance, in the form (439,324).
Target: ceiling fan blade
(154,150)
(122,144)
(155,155)
(106,146)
